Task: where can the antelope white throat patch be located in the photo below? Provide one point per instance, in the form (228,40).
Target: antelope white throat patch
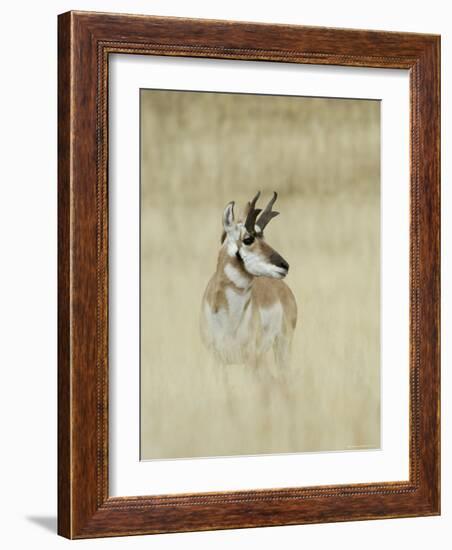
(237,278)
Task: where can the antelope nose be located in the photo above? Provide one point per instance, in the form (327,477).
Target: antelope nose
(284,264)
(279,261)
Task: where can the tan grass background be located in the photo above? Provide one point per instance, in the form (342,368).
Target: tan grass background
(198,152)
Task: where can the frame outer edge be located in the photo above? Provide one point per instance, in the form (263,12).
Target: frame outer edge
(64,293)
(432,277)
(427,287)
(438,145)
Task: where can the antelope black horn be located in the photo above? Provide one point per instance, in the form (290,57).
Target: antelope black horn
(268,213)
(253,213)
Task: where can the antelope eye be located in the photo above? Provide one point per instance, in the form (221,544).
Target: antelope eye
(248,240)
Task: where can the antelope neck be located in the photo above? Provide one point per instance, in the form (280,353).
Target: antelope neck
(233,274)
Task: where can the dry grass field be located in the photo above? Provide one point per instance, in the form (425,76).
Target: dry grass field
(201,150)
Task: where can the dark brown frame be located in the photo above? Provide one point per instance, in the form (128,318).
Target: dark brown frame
(85,41)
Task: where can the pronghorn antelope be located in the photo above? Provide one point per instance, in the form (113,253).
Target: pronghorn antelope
(247,309)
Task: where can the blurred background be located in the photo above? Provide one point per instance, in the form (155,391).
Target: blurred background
(198,152)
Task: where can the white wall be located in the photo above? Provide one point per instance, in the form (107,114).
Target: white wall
(28,268)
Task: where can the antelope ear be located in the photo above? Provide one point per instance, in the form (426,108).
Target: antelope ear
(228,217)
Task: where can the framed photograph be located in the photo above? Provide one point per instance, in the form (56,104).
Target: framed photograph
(249,275)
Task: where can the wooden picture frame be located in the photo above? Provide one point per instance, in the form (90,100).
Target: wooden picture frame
(85,42)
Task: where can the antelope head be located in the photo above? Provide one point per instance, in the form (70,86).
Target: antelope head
(244,238)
